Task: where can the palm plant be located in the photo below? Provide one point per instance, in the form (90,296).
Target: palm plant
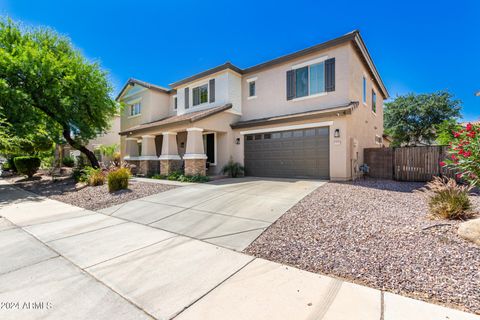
(233,169)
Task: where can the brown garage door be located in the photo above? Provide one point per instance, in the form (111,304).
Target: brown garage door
(293,154)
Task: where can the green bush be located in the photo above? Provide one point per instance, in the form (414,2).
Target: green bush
(118,179)
(233,169)
(89,175)
(195,178)
(27,165)
(10,164)
(159,176)
(179,176)
(448,200)
(47,162)
(68,162)
(6,166)
(174,175)
(77,175)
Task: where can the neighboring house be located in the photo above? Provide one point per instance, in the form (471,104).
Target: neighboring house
(109,138)
(306,114)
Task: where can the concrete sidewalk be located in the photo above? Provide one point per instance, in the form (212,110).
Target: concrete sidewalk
(62,262)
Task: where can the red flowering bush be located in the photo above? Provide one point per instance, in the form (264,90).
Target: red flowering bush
(464,154)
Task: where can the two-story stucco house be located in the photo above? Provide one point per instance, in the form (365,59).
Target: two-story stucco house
(306,114)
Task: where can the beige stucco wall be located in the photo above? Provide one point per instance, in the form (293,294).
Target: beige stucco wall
(271,88)
(227,90)
(155,105)
(109,138)
(364,125)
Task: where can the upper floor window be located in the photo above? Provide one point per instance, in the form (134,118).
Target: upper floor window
(374,101)
(364,90)
(252,89)
(135,109)
(200,95)
(175,102)
(310,80)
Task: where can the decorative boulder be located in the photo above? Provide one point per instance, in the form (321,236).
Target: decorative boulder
(470,230)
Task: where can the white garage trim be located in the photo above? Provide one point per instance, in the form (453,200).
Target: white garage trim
(292,127)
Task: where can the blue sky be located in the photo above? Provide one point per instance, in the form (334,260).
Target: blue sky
(418,46)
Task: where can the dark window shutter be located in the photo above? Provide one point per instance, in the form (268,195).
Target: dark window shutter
(211,87)
(196,96)
(187,97)
(330,74)
(290,84)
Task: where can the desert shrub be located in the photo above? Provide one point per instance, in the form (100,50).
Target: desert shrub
(447,199)
(117,159)
(89,175)
(27,165)
(233,169)
(68,162)
(118,179)
(96,178)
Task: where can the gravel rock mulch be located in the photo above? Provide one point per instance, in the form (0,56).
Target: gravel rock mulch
(377,233)
(91,198)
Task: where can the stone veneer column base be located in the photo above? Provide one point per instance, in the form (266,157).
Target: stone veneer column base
(169,166)
(134,165)
(149,167)
(195,167)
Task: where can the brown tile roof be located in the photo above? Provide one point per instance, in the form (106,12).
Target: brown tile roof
(295,116)
(187,118)
(477,122)
(353,37)
(143,84)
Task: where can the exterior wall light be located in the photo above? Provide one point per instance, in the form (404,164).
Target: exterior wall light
(337,133)
(237,141)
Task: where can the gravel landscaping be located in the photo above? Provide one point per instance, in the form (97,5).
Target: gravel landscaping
(92,198)
(377,233)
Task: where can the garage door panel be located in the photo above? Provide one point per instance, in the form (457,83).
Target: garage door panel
(299,153)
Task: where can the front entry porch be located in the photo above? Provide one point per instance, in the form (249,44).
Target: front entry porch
(192,150)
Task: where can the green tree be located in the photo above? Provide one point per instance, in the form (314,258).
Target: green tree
(445,131)
(48,89)
(412,118)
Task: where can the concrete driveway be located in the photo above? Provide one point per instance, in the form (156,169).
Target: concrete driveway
(230,213)
(59,261)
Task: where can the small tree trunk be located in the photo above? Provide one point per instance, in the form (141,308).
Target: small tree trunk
(89,154)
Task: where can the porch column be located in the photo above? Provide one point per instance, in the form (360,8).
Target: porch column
(149,164)
(170,161)
(131,148)
(195,157)
(149,151)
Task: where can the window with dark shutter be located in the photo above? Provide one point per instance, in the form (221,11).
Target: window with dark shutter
(330,75)
(187,97)
(196,96)
(290,84)
(175,103)
(212,90)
